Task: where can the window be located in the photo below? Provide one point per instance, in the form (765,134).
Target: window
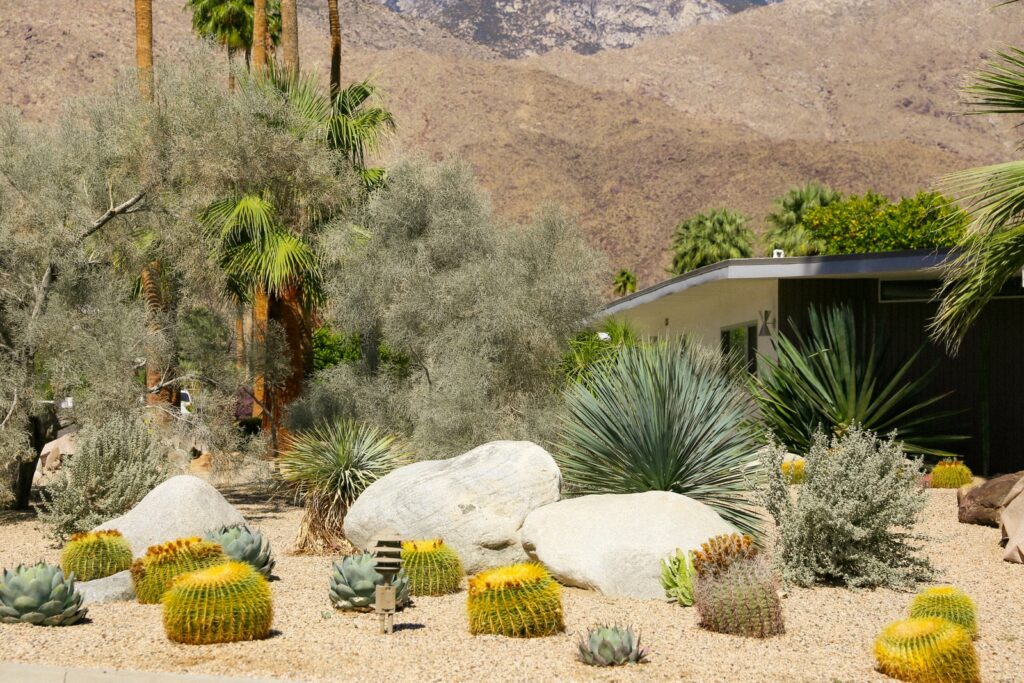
(741,341)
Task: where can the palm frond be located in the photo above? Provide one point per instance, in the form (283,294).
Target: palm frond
(999,88)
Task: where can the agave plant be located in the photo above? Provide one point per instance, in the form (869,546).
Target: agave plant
(611,646)
(663,417)
(832,377)
(328,467)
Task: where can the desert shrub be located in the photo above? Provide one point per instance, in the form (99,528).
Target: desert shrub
(786,229)
(666,416)
(114,466)
(838,373)
(709,238)
(872,223)
(852,520)
(327,468)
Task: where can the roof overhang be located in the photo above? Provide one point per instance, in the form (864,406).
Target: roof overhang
(922,262)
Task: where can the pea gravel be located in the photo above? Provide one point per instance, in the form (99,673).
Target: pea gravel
(829,631)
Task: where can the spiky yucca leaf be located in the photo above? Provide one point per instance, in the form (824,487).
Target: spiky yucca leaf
(520,600)
(433,568)
(663,417)
(947,603)
(222,604)
(96,554)
(927,650)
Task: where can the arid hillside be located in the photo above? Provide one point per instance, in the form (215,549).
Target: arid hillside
(858,93)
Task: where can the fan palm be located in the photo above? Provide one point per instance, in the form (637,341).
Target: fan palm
(625,283)
(230,23)
(832,378)
(992,251)
(786,226)
(663,417)
(709,238)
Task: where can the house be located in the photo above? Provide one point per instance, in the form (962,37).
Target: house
(744,304)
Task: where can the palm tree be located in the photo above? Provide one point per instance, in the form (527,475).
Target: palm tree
(334,21)
(786,228)
(231,24)
(625,283)
(259,34)
(992,251)
(144,46)
(290,35)
(709,238)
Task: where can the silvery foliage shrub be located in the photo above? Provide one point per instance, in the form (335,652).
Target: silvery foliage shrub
(114,466)
(852,520)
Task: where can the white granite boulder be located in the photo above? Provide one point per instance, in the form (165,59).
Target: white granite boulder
(114,588)
(476,502)
(179,507)
(614,543)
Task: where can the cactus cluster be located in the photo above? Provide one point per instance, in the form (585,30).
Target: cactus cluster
(793,470)
(946,602)
(40,594)
(96,554)
(245,545)
(741,600)
(354,580)
(520,600)
(153,573)
(927,650)
(950,474)
(611,646)
(717,554)
(225,603)
(677,577)
(433,568)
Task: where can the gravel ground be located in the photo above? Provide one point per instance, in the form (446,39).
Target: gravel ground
(829,631)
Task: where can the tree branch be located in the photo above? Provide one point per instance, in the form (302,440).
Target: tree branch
(14,404)
(122,209)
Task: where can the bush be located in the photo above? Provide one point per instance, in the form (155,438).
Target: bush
(114,466)
(851,522)
(662,417)
(709,238)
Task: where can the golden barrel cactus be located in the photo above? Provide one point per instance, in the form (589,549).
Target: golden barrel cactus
(225,603)
(433,568)
(947,603)
(520,600)
(951,474)
(927,650)
(96,554)
(153,573)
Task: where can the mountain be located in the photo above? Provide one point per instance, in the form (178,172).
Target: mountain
(861,94)
(517,28)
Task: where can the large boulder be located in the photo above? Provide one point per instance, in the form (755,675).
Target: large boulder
(1011,523)
(181,506)
(982,504)
(614,543)
(114,588)
(476,502)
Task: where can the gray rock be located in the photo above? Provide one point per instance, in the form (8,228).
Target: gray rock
(476,502)
(614,543)
(114,588)
(983,504)
(181,506)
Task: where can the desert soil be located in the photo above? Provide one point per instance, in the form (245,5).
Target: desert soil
(829,631)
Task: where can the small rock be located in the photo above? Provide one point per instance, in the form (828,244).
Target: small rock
(982,504)
(114,588)
(1011,523)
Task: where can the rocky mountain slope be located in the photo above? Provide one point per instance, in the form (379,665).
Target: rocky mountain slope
(858,93)
(516,28)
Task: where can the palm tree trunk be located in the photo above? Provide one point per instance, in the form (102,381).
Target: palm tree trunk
(231,70)
(259,34)
(260,310)
(335,23)
(152,295)
(287,310)
(290,35)
(144,46)
(240,337)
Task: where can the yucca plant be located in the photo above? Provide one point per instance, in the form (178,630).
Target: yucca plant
(328,467)
(837,374)
(666,416)
(710,237)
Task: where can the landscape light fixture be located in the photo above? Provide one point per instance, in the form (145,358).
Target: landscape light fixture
(387,553)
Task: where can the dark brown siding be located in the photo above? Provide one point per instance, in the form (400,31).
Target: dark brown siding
(990,355)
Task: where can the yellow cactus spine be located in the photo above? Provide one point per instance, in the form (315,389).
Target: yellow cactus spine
(950,474)
(520,600)
(718,553)
(96,554)
(153,573)
(433,568)
(222,604)
(927,650)
(947,603)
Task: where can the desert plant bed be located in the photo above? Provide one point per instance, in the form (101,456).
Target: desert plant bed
(829,632)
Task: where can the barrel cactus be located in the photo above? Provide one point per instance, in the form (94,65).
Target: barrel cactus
(677,578)
(225,603)
(153,573)
(245,545)
(96,554)
(793,470)
(354,582)
(742,600)
(950,474)
(927,650)
(39,594)
(611,646)
(520,600)
(947,603)
(433,567)
(717,554)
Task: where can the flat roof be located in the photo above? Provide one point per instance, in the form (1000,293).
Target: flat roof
(850,266)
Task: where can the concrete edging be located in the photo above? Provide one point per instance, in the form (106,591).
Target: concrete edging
(40,673)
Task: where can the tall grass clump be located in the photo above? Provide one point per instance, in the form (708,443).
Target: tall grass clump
(851,522)
(667,416)
(327,467)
